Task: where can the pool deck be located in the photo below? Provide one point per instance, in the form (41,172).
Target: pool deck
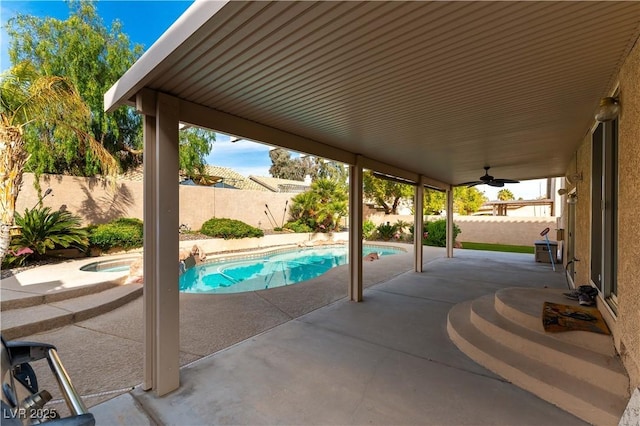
(59,277)
(304,354)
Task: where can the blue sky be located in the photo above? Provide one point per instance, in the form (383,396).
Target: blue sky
(144,22)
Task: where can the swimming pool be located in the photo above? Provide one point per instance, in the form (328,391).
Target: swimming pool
(271,270)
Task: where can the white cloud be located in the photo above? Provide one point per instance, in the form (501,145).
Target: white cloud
(222,146)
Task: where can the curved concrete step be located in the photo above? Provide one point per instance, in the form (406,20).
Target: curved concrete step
(22,322)
(524,306)
(584,400)
(595,368)
(25,299)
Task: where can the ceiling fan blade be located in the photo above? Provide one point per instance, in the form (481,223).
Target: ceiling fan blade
(496,183)
(506,181)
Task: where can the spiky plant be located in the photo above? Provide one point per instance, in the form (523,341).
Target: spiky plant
(52,107)
(43,229)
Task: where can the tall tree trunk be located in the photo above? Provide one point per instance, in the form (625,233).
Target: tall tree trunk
(384,205)
(396,202)
(13,157)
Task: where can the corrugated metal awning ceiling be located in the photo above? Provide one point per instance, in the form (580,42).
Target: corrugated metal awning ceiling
(437,88)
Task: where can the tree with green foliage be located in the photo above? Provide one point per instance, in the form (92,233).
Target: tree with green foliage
(505,195)
(467,200)
(434,201)
(92,57)
(322,207)
(48,109)
(385,193)
(195,145)
(285,167)
(331,170)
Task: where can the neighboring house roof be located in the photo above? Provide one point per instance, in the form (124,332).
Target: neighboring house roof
(501,207)
(228,178)
(281,185)
(134,175)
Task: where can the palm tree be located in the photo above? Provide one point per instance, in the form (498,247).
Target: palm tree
(505,195)
(50,106)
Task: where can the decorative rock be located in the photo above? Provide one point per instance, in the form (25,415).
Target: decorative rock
(135,272)
(371,257)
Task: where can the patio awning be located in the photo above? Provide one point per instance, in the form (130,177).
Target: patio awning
(421,92)
(439,89)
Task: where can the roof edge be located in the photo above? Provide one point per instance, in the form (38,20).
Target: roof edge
(152,62)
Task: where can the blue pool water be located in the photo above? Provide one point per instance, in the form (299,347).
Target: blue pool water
(275,270)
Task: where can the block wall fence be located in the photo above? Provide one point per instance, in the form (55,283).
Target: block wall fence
(98,200)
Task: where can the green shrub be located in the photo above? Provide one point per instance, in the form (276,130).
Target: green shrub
(367,229)
(401,225)
(386,231)
(298,227)
(125,233)
(437,233)
(43,229)
(229,229)
(322,207)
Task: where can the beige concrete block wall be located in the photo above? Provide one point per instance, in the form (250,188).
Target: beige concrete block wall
(94,200)
(99,201)
(628,219)
(521,231)
(217,245)
(199,204)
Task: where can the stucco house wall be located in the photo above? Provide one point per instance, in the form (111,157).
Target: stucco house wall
(626,322)
(628,215)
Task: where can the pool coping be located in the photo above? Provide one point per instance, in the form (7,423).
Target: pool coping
(258,254)
(281,249)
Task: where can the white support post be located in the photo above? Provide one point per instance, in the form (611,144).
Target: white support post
(161,210)
(149,216)
(355,232)
(450,222)
(418,225)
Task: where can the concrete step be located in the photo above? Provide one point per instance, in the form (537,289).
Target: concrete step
(595,368)
(582,399)
(524,306)
(22,322)
(12,299)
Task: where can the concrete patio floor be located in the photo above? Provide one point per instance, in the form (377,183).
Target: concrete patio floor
(293,360)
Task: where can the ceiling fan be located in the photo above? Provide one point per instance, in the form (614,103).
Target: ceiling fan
(487,179)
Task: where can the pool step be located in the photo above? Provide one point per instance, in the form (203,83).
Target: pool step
(24,321)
